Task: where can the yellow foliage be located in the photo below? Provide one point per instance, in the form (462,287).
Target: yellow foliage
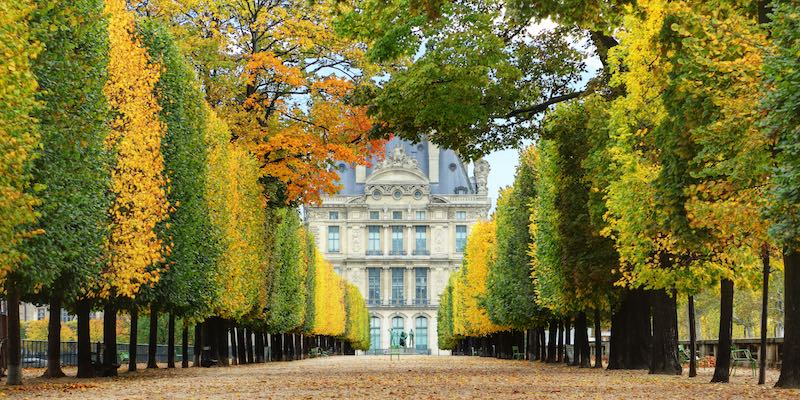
(329,308)
(139,188)
(238,211)
(37,330)
(469,318)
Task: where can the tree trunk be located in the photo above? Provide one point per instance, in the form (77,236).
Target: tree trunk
(259,347)
(185,345)
(234,345)
(210,341)
(598,340)
(542,346)
(85,369)
(551,341)
(576,347)
(110,340)
(249,342)
(630,332)
(198,344)
(723,364)
(664,359)
(222,338)
(241,347)
(762,354)
(54,340)
(152,342)
(790,368)
(14,338)
(567,340)
(134,339)
(584,334)
(692,340)
(560,343)
(533,344)
(171,341)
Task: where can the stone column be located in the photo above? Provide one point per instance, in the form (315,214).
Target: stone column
(409,239)
(386,289)
(410,284)
(386,239)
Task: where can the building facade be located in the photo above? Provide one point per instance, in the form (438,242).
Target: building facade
(397,230)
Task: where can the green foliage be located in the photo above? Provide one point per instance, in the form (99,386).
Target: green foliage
(577,262)
(444,321)
(18,135)
(194,246)
(511,298)
(73,167)
(287,297)
(480,79)
(782,69)
(357,326)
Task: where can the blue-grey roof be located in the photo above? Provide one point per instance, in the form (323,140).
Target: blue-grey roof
(449,179)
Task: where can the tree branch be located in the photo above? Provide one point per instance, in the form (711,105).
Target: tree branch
(541,107)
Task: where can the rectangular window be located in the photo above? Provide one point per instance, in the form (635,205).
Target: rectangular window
(41,313)
(461,215)
(397,215)
(333,215)
(374,215)
(397,241)
(374,333)
(374,289)
(421,242)
(374,240)
(397,285)
(333,239)
(421,285)
(461,238)
(420,215)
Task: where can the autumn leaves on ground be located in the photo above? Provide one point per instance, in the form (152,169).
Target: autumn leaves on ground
(413,377)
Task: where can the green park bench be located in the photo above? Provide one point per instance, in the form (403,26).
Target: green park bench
(317,352)
(516,354)
(394,351)
(742,356)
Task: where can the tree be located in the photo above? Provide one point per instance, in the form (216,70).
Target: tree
(783,78)
(18,139)
(73,169)
(238,213)
(510,297)
(444,321)
(287,297)
(479,254)
(283,82)
(357,325)
(139,188)
(186,285)
(480,79)
(717,162)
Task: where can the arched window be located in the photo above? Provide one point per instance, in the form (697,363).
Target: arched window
(421,337)
(374,333)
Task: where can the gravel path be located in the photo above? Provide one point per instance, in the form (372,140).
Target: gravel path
(413,377)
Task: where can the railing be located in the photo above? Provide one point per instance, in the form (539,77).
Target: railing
(374,252)
(421,252)
(397,302)
(397,252)
(34,353)
(403,350)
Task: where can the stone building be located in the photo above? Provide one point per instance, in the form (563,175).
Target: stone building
(397,230)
